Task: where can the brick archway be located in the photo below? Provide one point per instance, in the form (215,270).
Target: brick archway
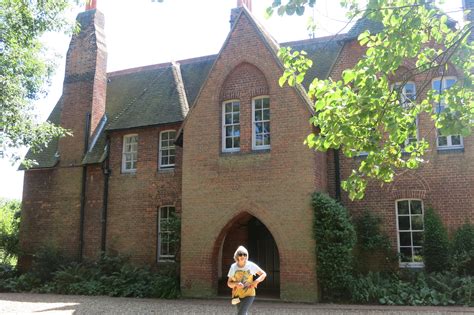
(247,230)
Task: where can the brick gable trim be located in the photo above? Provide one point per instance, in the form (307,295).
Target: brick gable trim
(272,46)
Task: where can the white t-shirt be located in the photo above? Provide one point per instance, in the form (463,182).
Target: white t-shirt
(249,267)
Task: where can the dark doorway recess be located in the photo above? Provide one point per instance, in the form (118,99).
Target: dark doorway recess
(254,235)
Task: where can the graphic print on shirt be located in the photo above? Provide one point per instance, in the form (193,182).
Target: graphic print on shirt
(245,277)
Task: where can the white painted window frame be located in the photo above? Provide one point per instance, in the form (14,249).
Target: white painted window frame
(160,257)
(163,148)
(223,126)
(403,102)
(126,153)
(409,264)
(449,138)
(254,122)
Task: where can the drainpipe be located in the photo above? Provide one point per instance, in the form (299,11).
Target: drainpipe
(103,220)
(337,175)
(83,186)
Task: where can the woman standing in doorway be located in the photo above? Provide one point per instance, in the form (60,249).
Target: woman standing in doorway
(241,281)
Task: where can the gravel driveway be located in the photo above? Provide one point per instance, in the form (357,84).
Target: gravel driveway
(15,303)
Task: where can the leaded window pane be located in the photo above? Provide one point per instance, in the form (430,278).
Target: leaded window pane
(417,238)
(403,223)
(455,140)
(442,141)
(417,222)
(415,207)
(403,207)
(405,254)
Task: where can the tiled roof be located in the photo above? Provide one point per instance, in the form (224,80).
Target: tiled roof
(322,51)
(161,94)
(47,156)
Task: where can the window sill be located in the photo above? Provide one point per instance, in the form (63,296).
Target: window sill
(450,150)
(166,170)
(128,173)
(166,261)
(240,153)
(415,266)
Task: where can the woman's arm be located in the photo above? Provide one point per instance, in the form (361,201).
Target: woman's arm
(231,283)
(261,276)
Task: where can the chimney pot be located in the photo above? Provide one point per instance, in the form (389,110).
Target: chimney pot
(247,3)
(91,5)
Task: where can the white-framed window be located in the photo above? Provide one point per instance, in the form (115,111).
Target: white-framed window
(448,141)
(231,126)
(261,123)
(167,149)
(166,249)
(129,153)
(410,227)
(407,98)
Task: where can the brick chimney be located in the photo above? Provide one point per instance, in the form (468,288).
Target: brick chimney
(469,5)
(85,83)
(235,11)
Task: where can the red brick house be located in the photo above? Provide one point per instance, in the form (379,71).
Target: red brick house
(194,137)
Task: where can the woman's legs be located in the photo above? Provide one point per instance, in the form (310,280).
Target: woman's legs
(244,305)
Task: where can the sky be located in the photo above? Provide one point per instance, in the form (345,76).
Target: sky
(142,32)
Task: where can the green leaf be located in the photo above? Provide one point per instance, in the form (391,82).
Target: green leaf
(348,75)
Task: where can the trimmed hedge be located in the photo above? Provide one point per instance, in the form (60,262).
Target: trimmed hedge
(335,239)
(435,243)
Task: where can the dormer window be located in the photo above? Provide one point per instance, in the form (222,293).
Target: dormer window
(231,126)
(129,153)
(261,123)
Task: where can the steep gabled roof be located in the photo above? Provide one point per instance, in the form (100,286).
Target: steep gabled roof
(147,98)
(322,51)
(161,94)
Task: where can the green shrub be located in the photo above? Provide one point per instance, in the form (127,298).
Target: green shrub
(9,230)
(420,289)
(369,235)
(335,238)
(435,243)
(463,249)
(23,283)
(373,250)
(112,276)
(46,262)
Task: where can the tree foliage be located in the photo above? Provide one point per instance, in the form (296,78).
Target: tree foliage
(9,231)
(25,71)
(361,113)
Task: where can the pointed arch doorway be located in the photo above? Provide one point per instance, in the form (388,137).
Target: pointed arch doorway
(250,232)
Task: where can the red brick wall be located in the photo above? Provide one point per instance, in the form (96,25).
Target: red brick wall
(134,198)
(445,182)
(274,186)
(93,212)
(50,210)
